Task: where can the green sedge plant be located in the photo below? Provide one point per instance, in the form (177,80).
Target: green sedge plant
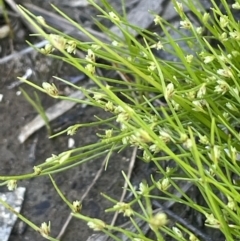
(184,111)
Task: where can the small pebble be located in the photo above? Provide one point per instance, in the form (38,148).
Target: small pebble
(18,93)
(71,143)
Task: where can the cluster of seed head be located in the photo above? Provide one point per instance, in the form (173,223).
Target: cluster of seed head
(60,43)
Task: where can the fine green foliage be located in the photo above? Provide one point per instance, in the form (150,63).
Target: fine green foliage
(182,113)
(38,107)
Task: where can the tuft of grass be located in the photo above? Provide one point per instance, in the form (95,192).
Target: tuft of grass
(182,115)
(38,107)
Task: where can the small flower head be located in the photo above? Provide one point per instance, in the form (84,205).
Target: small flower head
(236,5)
(235,35)
(124,208)
(130,59)
(225,72)
(191,95)
(124,127)
(209,58)
(119,109)
(71,46)
(223,37)
(125,140)
(212,170)
(202,91)
(226,115)
(199,30)
(189,58)
(64,156)
(59,42)
(183,137)
(233,154)
(109,106)
(157,45)
(143,189)
(154,148)
(178,232)
(157,19)
(12,185)
(96,224)
(165,136)
(222,87)
(175,105)
(77,206)
(192,237)
(203,139)
(163,184)
(90,68)
(157,221)
(122,117)
(186,24)
(224,21)
(53,158)
(147,157)
(50,89)
(198,105)
(143,54)
(71,130)
(152,66)
(225,58)
(140,137)
(205,17)
(188,144)
(215,153)
(231,106)
(95,47)
(210,219)
(115,43)
(114,17)
(98,96)
(60,158)
(231,203)
(45,229)
(41,20)
(90,56)
(169,169)
(143,136)
(179,8)
(234,92)
(108,133)
(169,91)
(107,136)
(47,49)
(37,170)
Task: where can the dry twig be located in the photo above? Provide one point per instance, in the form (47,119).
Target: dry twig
(129,174)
